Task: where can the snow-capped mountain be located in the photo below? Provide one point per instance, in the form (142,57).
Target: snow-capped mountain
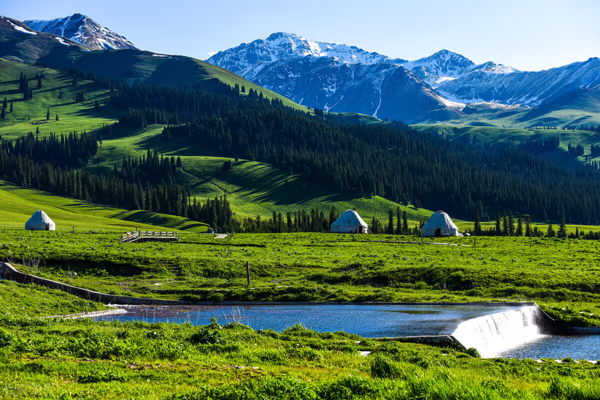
(20,43)
(247,58)
(504,85)
(82,29)
(334,77)
(346,78)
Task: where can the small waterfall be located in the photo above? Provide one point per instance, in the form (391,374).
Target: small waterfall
(496,333)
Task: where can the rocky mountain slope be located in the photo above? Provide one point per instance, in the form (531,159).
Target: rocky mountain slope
(83,30)
(336,78)
(18,42)
(345,78)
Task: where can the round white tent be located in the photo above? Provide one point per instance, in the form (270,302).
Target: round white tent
(349,222)
(40,221)
(440,224)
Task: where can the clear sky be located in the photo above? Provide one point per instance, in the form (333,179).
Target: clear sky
(525,34)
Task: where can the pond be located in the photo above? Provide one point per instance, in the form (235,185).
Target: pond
(495,330)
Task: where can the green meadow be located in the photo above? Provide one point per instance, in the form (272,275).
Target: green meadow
(81,359)
(561,275)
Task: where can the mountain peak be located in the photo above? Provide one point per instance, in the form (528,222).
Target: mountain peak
(282,46)
(82,29)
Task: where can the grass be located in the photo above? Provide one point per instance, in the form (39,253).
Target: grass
(64,359)
(18,205)
(58,95)
(561,275)
(33,301)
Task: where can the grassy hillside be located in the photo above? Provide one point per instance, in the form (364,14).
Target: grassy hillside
(18,204)
(138,66)
(581,106)
(57,94)
(492,135)
(253,188)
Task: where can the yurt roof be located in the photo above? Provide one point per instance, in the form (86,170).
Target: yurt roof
(440,219)
(40,216)
(350,218)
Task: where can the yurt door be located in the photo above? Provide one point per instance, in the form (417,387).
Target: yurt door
(438,232)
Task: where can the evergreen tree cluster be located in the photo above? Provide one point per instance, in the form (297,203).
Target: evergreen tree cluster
(24,87)
(392,161)
(64,150)
(314,220)
(540,146)
(45,164)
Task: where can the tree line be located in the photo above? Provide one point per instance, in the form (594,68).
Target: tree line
(46,164)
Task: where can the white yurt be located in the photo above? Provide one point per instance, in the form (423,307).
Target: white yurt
(440,224)
(40,221)
(349,222)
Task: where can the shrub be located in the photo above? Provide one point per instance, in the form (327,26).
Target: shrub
(6,338)
(383,367)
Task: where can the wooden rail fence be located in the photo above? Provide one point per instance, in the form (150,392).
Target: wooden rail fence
(148,236)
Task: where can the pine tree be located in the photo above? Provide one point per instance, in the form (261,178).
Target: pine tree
(48,115)
(519,231)
(390,227)
(399,222)
(551,232)
(511,224)
(2,116)
(498,228)
(11,106)
(39,83)
(332,216)
(57,117)
(404,223)
(96,104)
(477,227)
(5,103)
(528,231)
(562,230)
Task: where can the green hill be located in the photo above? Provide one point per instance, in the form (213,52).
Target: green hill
(18,205)
(490,135)
(136,66)
(253,188)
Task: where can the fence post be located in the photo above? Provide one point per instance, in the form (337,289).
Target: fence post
(248,271)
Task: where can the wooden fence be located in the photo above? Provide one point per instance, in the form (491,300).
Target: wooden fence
(147,236)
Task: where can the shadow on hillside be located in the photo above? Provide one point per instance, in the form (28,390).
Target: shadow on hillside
(150,218)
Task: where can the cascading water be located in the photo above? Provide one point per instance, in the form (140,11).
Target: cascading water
(495,333)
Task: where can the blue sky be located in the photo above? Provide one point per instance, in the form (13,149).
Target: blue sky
(526,34)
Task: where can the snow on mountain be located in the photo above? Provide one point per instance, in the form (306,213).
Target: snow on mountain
(440,67)
(512,87)
(248,57)
(83,30)
(345,78)
(333,77)
(20,28)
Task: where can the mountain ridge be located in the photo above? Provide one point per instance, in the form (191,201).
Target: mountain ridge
(297,71)
(83,30)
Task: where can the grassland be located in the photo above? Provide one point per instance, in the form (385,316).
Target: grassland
(561,275)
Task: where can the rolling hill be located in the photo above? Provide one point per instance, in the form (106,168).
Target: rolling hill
(18,205)
(253,188)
